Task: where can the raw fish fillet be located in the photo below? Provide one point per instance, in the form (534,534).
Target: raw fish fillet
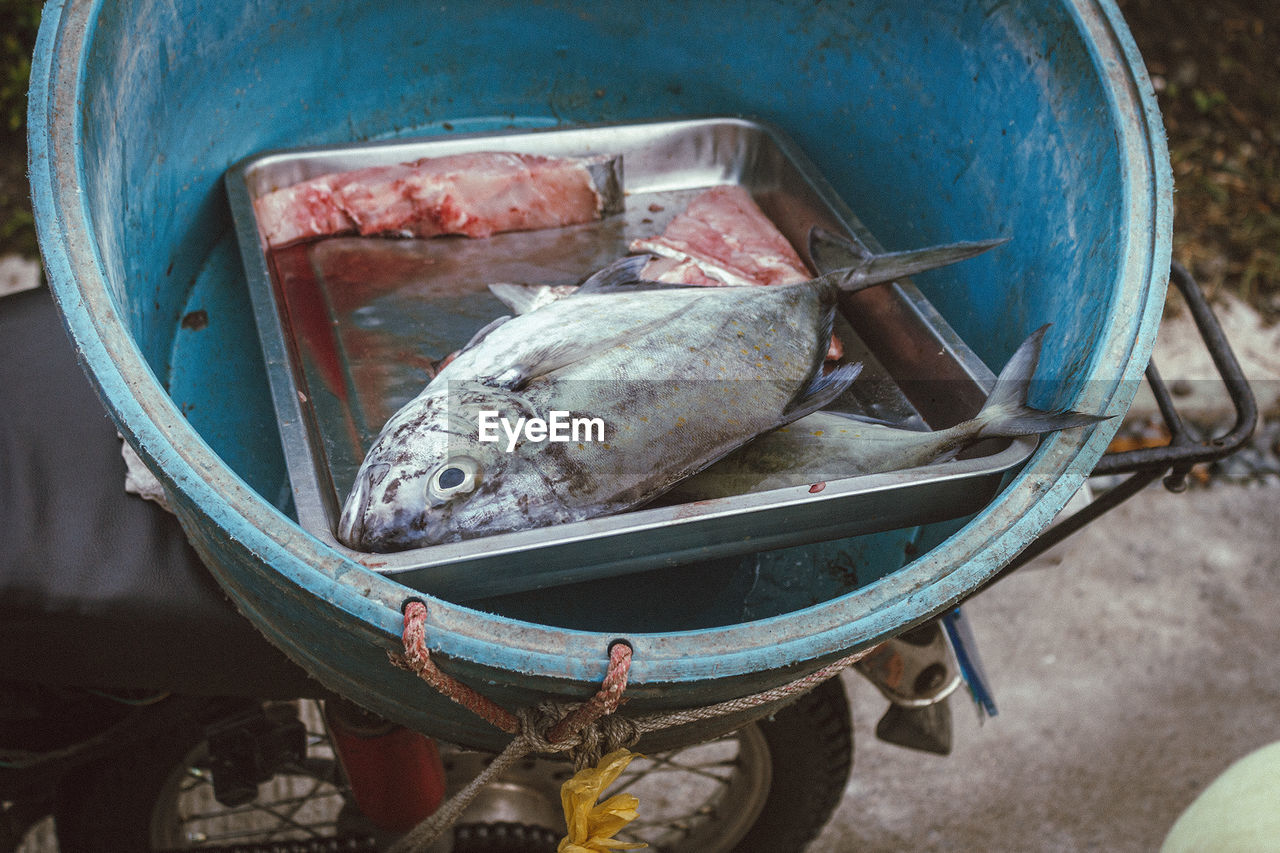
(724,238)
(301,212)
(474,194)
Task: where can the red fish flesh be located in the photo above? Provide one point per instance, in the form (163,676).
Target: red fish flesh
(474,194)
(724,238)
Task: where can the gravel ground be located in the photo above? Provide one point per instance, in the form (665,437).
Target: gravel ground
(1215,67)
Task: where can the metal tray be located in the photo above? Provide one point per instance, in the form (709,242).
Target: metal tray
(349,324)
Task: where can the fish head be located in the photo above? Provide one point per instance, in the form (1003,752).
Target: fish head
(429,479)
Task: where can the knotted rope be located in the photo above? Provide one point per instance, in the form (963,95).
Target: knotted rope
(586,731)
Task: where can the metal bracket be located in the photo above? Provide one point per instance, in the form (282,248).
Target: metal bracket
(916,671)
(249,749)
(1184,451)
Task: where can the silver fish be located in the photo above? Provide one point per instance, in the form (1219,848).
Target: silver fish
(668,372)
(677,377)
(829,446)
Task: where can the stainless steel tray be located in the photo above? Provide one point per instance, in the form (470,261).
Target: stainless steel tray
(348,325)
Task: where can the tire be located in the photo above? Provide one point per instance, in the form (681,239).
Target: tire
(140,800)
(773,785)
(99,808)
(789,773)
(811,744)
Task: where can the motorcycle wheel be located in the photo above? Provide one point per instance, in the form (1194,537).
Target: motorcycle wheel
(159,797)
(769,786)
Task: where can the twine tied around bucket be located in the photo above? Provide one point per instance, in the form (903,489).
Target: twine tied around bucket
(586,731)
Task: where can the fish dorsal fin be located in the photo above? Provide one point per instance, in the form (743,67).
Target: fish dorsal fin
(520,298)
(623,276)
(484,332)
(622,272)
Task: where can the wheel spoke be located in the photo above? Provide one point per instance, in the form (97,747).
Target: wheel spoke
(667,763)
(302,802)
(700,798)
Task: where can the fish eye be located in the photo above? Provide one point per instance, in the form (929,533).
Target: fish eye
(456,476)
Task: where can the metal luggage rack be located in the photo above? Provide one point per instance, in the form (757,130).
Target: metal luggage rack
(1184,451)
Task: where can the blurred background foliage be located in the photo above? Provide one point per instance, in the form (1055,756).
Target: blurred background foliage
(1215,67)
(19,20)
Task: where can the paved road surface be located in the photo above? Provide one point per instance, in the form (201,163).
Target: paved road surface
(1132,664)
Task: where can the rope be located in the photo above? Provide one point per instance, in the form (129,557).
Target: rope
(586,731)
(417,658)
(605,702)
(793,689)
(420,838)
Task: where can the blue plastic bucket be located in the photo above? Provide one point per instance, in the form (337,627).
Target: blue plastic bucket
(933,123)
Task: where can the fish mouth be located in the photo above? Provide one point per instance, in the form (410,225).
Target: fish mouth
(351,524)
(350,530)
(405,536)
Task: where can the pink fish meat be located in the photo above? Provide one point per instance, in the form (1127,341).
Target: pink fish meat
(724,238)
(474,194)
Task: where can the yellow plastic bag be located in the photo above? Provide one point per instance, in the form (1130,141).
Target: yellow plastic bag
(592,825)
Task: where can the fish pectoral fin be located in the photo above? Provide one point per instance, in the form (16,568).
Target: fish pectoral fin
(821,391)
(538,362)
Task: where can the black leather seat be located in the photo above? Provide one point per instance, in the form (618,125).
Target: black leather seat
(98,587)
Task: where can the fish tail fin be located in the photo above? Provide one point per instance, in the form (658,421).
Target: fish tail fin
(1007,414)
(862,269)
